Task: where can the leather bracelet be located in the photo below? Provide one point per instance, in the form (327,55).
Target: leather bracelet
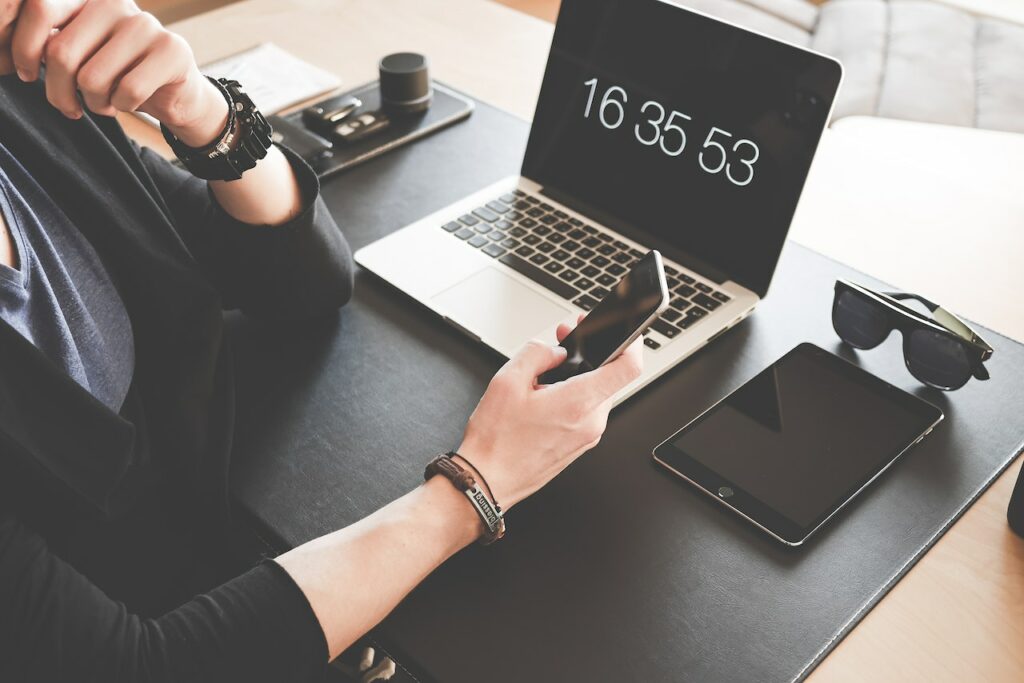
(483,480)
(464,481)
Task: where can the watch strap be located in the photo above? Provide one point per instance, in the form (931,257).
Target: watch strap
(245,139)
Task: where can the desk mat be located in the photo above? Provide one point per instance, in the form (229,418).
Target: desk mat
(617,571)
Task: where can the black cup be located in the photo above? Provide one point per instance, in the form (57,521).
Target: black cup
(405,84)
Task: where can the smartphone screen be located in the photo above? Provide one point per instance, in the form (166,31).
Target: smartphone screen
(616,321)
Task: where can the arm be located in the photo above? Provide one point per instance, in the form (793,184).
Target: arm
(519,437)
(265,241)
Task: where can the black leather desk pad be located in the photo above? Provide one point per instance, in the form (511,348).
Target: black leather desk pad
(617,571)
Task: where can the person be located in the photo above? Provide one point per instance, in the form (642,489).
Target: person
(116,387)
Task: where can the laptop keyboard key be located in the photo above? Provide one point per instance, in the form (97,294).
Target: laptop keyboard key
(485,214)
(615,269)
(680,304)
(599,292)
(562,289)
(570,245)
(686,291)
(493,250)
(517,231)
(724,298)
(508,198)
(706,301)
(483,227)
(591,271)
(591,242)
(600,261)
(671,315)
(636,253)
(524,251)
(585,253)
(503,224)
(575,263)
(621,245)
(606,249)
(686,278)
(584,283)
(664,328)
(532,240)
(563,227)
(703,287)
(548,219)
(553,267)
(496,235)
(541,230)
(464,234)
(546,247)
(556,237)
(586,302)
(651,344)
(560,255)
(510,243)
(452,227)
(621,257)
(497,207)
(478,241)
(577,234)
(534,212)
(539,259)
(606,280)
(569,275)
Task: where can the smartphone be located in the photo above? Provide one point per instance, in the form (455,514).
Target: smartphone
(616,321)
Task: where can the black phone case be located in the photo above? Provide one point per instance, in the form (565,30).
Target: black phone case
(448,107)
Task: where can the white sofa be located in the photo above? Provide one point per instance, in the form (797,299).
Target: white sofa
(905,59)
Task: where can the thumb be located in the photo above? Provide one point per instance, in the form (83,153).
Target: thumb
(535,358)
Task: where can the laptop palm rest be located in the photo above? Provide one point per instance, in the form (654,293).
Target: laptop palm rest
(501,311)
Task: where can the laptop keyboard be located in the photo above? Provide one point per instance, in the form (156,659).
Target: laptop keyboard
(577,261)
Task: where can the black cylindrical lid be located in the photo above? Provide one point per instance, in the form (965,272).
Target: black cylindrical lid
(404,81)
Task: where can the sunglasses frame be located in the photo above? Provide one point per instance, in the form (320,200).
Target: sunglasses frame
(906,320)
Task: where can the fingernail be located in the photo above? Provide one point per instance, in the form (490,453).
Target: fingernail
(73,114)
(23,75)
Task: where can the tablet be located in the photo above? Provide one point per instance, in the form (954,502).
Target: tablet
(792,446)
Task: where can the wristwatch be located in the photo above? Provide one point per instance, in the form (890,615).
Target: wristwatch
(243,142)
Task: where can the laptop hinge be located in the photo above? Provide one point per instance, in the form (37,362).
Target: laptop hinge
(678,255)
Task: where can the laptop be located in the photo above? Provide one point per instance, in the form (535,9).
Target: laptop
(657,127)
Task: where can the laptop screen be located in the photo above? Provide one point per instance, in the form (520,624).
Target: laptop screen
(686,133)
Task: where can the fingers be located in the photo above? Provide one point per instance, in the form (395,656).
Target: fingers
(168,62)
(70,49)
(132,39)
(532,360)
(600,385)
(563,329)
(36,21)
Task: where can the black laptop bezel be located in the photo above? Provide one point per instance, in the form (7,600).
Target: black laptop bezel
(638,234)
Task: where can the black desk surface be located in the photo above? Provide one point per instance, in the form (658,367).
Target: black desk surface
(616,571)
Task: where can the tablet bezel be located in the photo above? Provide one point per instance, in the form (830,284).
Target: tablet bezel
(754,510)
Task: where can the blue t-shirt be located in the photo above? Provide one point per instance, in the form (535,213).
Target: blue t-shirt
(60,297)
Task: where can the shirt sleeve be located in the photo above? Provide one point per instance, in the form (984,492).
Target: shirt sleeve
(299,269)
(57,626)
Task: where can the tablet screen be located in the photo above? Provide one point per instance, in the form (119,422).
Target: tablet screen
(798,440)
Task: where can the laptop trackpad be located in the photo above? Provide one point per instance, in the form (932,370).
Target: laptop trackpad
(502,312)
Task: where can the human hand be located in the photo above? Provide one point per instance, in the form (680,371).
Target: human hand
(118,57)
(521,435)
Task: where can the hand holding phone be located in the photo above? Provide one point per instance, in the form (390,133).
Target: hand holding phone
(615,323)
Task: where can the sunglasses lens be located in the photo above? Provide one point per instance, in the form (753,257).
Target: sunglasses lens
(937,359)
(858,321)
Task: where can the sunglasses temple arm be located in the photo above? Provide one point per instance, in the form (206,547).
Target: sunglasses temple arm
(903,296)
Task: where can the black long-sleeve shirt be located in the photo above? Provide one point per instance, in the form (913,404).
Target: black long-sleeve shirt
(96,506)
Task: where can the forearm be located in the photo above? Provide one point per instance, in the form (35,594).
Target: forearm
(355,576)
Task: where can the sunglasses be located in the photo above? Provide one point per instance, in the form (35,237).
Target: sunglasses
(941,351)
